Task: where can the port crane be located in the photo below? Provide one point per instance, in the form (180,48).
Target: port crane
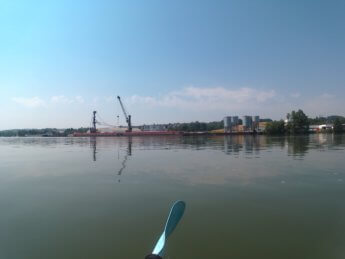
(127,116)
(94,121)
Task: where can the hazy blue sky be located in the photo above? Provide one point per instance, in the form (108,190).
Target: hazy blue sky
(169,60)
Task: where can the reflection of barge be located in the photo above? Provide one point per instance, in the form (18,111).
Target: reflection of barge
(220,133)
(132,133)
(158,133)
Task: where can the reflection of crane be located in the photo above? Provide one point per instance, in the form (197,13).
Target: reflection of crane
(124,162)
(129,153)
(94,121)
(94,147)
(128,117)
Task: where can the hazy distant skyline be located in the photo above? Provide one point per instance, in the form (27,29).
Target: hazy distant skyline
(170,61)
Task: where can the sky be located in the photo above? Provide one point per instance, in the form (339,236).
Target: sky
(170,61)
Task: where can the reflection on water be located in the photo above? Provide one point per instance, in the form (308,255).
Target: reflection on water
(241,147)
(93,144)
(247,196)
(128,153)
(296,146)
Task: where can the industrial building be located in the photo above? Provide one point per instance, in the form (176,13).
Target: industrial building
(248,123)
(230,123)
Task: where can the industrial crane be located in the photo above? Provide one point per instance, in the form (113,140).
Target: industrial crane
(127,116)
(94,121)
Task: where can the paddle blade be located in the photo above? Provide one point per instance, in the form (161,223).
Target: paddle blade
(175,216)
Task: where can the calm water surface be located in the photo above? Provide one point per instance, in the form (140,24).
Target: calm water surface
(247,197)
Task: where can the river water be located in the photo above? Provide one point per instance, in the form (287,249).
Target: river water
(247,197)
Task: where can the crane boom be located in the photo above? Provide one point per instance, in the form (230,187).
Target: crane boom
(127,116)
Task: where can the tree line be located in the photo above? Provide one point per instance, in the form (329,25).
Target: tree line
(299,123)
(196,126)
(49,132)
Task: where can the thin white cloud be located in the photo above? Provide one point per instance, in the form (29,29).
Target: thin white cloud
(325,104)
(295,95)
(95,100)
(195,103)
(79,99)
(32,102)
(62,99)
(110,99)
(217,98)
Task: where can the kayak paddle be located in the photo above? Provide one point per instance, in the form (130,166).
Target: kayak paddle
(175,215)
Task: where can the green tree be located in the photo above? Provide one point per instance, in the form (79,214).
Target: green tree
(196,126)
(317,120)
(275,128)
(337,126)
(298,122)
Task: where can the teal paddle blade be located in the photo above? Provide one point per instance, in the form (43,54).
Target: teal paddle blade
(175,216)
